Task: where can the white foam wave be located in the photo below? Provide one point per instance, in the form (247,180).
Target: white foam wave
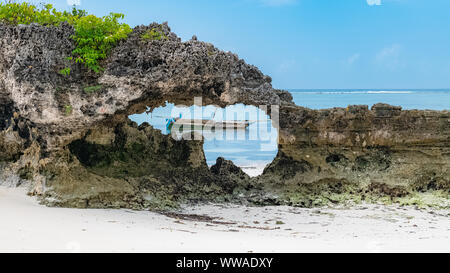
(351,92)
(390,92)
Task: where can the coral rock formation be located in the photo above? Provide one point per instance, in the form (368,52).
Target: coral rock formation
(70,136)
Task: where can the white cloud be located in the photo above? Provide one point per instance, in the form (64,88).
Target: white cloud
(277,2)
(374,2)
(354,58)
(390,56)
(73,2)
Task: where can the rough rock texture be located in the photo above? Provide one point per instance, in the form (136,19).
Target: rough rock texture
(131,166)
(383,152)
(70,136)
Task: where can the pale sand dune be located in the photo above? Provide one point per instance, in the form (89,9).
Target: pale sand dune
(26,226)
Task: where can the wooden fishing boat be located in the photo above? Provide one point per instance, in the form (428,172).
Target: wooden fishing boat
(200,124)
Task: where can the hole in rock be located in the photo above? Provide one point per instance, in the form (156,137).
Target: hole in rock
(243,134)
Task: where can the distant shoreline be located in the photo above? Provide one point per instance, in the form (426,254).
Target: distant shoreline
(408,99)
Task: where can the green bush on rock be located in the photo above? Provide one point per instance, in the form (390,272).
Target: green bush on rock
(65,72)
(25,14)
(154,34)
(94,36)
(92,89)
(68,109)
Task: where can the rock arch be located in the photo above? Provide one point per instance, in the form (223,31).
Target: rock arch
(76,145)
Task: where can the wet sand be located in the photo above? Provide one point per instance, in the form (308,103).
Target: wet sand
(26,226)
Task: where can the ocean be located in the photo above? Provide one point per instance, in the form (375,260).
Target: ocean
(432,99)
(254,153)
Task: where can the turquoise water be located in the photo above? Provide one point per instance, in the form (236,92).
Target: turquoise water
(247,151)
(433,99)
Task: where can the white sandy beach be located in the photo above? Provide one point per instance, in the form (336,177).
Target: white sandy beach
(26,226)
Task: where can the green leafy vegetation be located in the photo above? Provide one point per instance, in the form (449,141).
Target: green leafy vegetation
(95,36)
(25,13)
(92,89)
(68,110)
(154,34)
(65,72)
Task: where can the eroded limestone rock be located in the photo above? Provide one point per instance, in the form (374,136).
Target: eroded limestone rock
(71,138)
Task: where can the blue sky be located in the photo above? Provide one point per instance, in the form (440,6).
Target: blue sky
(312,43)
